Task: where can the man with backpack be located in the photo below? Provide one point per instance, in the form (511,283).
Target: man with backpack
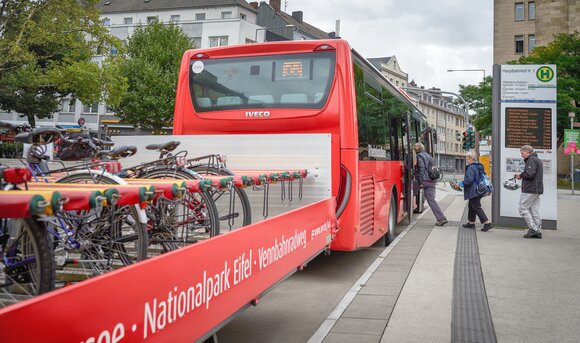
(426,177)
(532,187)
(472,192)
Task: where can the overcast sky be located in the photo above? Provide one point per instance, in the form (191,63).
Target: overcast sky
(427,36)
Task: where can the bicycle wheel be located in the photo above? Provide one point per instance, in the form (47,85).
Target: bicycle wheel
(222,199)
(176,223)
(103,238)
(27,260)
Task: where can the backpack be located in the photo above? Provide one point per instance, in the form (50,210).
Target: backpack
(433,172)
(485,187)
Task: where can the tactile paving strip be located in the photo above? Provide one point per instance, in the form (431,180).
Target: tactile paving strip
(471,319)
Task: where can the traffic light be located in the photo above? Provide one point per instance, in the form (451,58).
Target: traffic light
(472,139)
(464,140)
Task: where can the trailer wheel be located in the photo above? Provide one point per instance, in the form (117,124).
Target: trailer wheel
(390,236)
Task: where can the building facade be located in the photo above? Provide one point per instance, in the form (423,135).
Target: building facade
(278,25)
(390,67)
(521,25)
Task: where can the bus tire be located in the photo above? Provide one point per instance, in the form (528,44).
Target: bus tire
(392,221)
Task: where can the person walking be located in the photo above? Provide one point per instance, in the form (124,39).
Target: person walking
(424,161)
(471,180)
(532,187)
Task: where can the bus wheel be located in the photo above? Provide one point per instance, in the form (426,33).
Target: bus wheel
(390,236)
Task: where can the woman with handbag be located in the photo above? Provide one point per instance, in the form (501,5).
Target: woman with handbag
(473,172)
(424,163)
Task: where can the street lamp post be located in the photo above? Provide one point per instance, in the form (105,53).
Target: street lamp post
(483,70)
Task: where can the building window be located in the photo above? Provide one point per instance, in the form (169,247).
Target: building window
(128,21)
(242,16)
(175,18)
(519,44)
(197,42)
(106,22)
(200,16)
(519,11)
(226,15)
(531,42)
(151,19)
(218,41)
(91,108)
(531,10)
(68,106)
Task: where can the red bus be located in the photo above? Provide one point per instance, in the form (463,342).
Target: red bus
(308,87)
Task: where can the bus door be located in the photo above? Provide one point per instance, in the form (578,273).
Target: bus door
(401,139)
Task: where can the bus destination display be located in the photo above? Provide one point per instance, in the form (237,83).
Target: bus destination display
(528,126)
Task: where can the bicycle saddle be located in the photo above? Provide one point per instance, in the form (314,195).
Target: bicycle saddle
(123,151)
(42,135)
(163,147)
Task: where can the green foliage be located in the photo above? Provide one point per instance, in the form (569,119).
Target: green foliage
(564,52)
(478,99)
(151,67)
(46,52)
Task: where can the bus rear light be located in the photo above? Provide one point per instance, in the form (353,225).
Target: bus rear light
(324,47)
(199,56)
(343,190)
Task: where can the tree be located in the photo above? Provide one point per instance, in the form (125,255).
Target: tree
(478,99)
(151,67)
(564,52)
(46,53)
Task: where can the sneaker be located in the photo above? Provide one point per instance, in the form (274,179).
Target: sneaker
(469,225)
(533,234)
(487,227)
(442,222)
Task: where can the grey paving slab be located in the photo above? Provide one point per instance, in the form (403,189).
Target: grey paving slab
(532,285)
(377,289)
(423,309)
(350,338)
(360,326)
(394,267)
(371,307)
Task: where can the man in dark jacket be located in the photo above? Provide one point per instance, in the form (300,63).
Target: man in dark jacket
(471,180)
(532,187)
(424,161)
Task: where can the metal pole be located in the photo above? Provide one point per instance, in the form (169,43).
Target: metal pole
(572,171)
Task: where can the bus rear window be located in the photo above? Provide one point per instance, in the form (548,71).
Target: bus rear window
(275,81)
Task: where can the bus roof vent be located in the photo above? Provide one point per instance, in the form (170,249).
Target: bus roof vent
(324,47)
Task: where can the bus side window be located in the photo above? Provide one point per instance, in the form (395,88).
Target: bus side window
(373,126)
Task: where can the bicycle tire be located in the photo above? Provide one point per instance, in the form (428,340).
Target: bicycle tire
(130,242)
(242,197)
(32,240)
(202,203)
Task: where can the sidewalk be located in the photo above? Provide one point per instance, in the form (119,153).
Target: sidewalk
(532,285)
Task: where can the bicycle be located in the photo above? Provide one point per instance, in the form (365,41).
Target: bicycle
(171,222)
(94,240)
(26,254)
